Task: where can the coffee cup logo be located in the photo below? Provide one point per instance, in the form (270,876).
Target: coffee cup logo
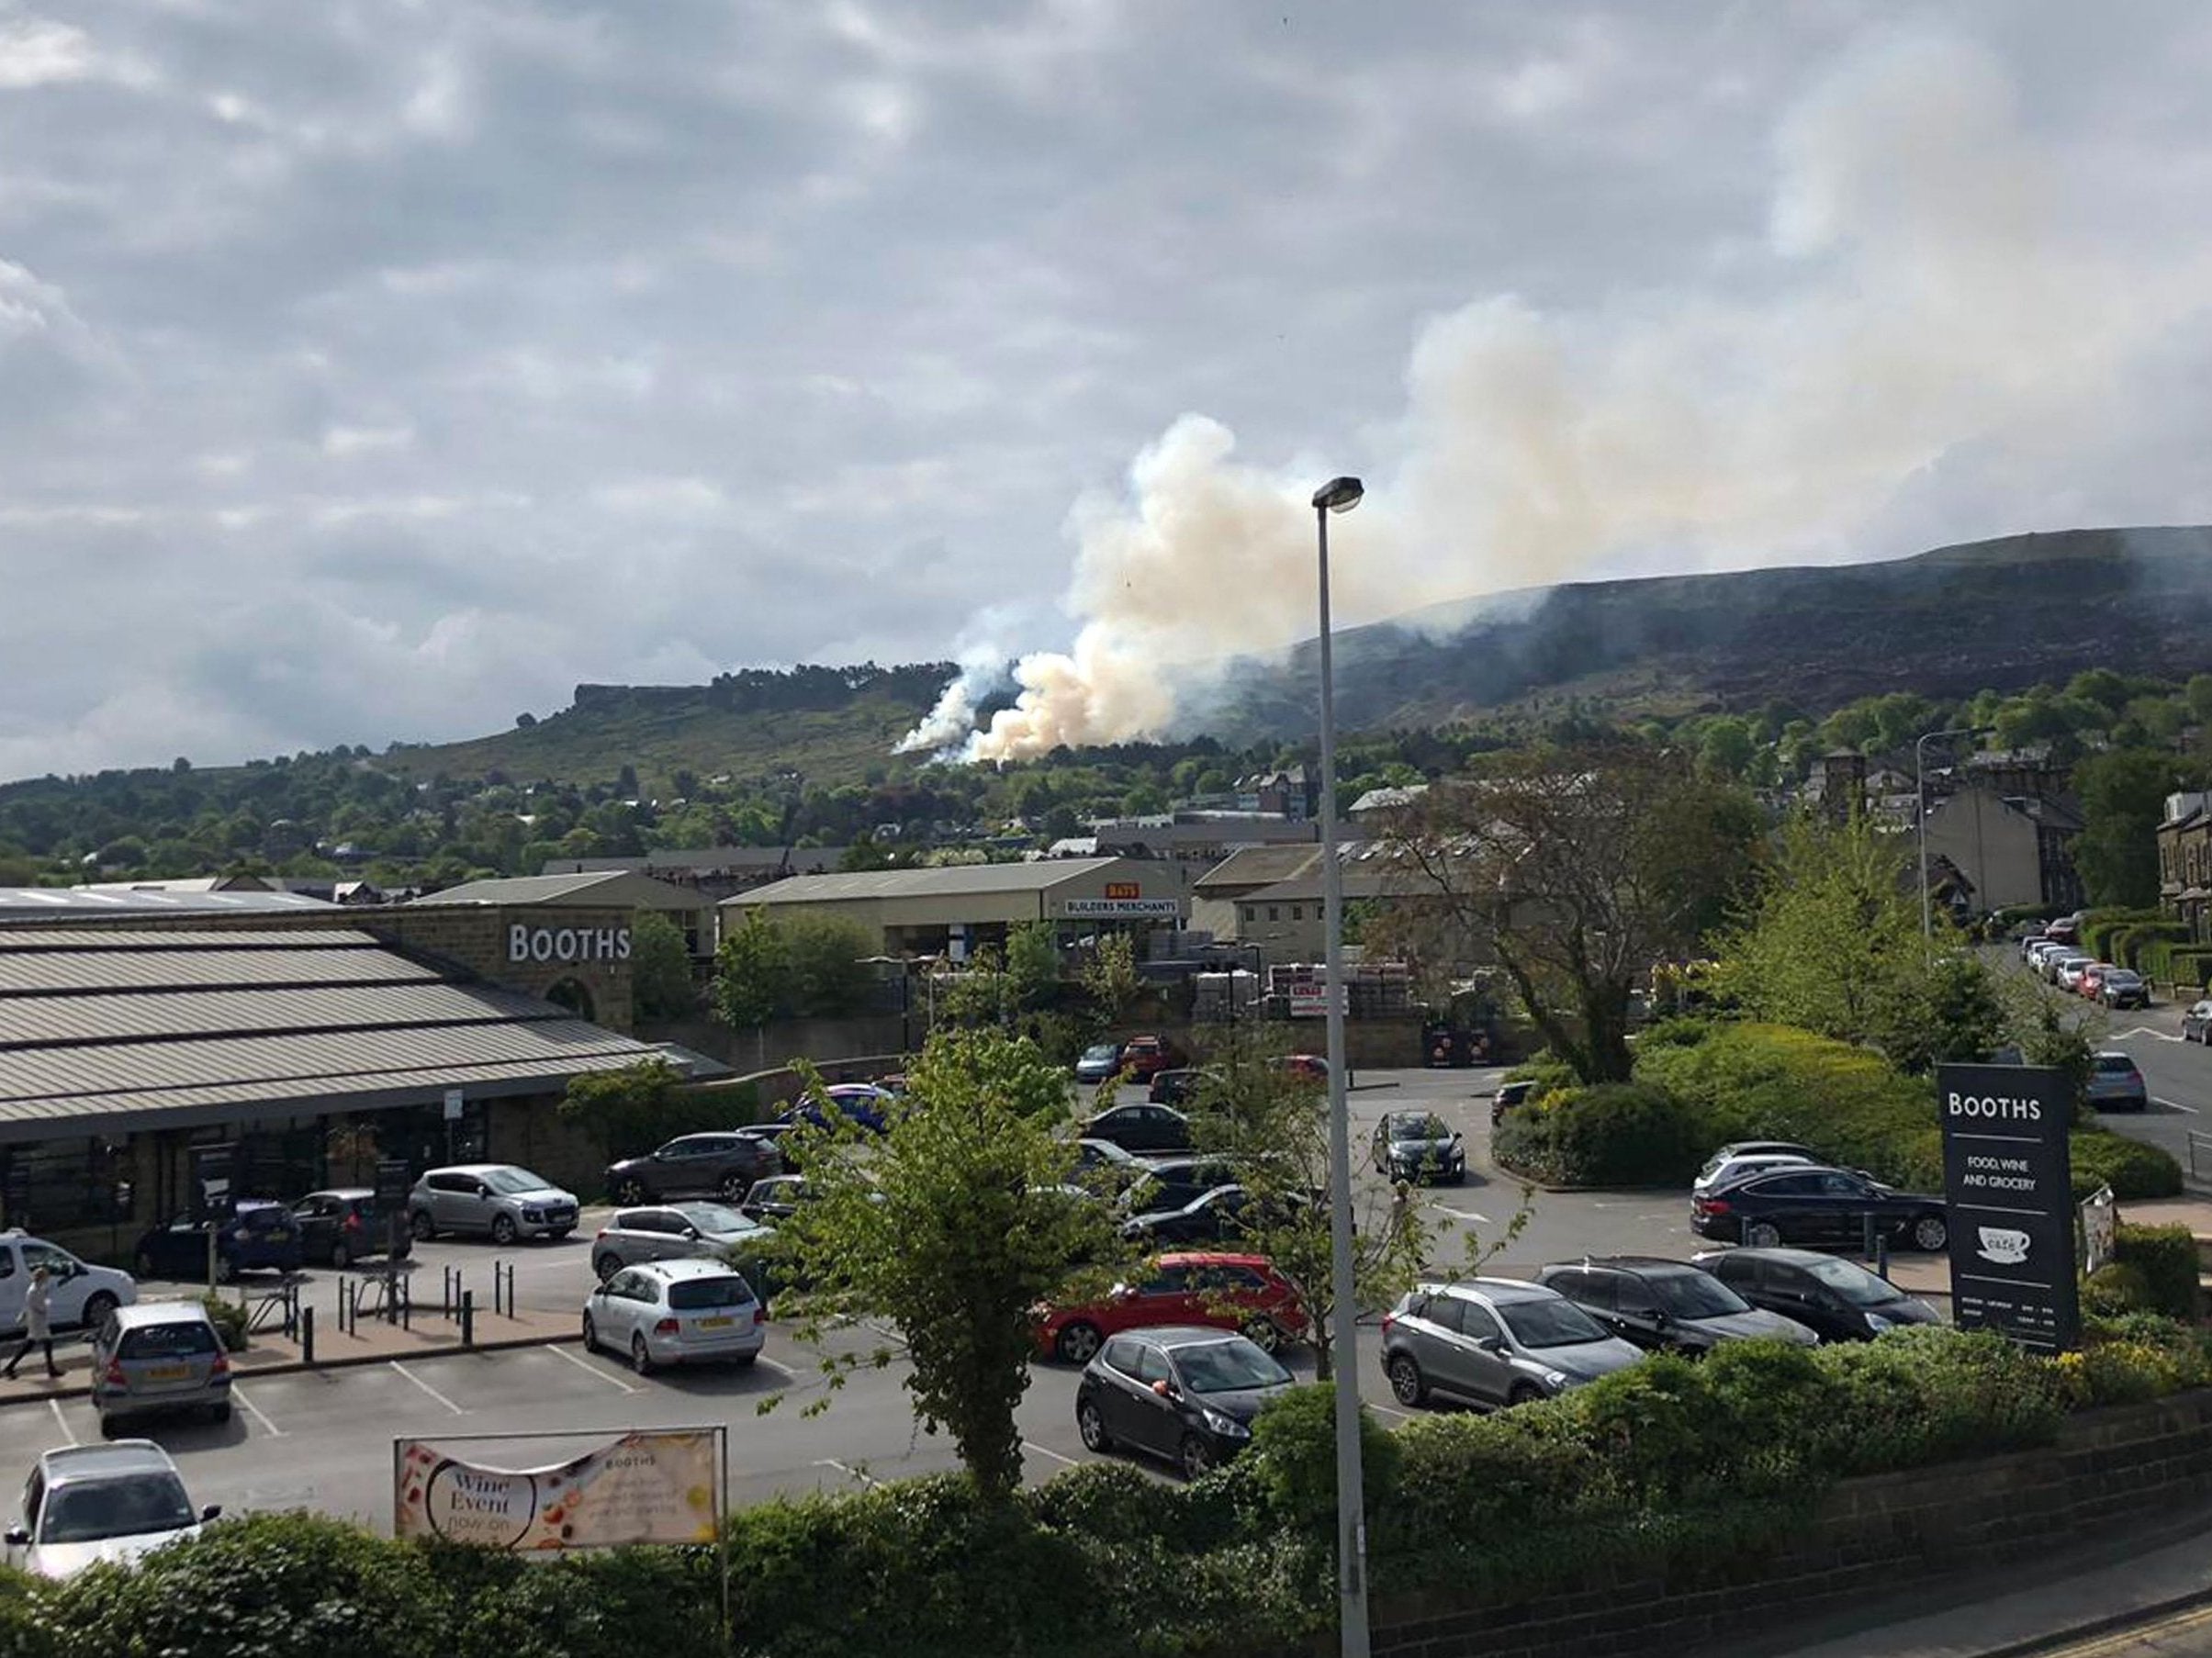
(2003,1245)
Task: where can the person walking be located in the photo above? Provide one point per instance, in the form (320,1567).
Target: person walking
(37,1326)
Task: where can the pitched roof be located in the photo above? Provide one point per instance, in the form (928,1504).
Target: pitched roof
(61,902)
(950,880)
(1256,866)
(618,889)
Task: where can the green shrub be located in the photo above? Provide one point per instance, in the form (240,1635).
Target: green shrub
(1294,1458)
(1623,1134)
(230,1321)
(2167,1259)
(2134,1169)
(2116,1288)
(24,1631)
(2131,943)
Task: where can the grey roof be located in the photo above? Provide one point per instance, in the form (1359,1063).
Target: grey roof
(1257,867)
(621,888)
(951,881)
(704,860)
(17,902)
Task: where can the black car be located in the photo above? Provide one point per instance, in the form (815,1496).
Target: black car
(1178,1087)
(256,1235)
(725,1164)
(1215,1216)
(1509,1095)
(1186,1396)
(1837,1300)
(1817,1207)
(1417,1146)
(1140,1129)
(1667,1305)
(1171,1183)
(774,1198)
(339,1227)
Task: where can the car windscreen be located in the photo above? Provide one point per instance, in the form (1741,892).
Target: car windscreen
(1694,1296)
(1854,1284)
(714,1217)
(1104,1051)
(693,1294)
(86,1512)
(2116,1064)
(510,1182)
(1550,1323)
(1419,1128)
(1228,1367)
(181,1339)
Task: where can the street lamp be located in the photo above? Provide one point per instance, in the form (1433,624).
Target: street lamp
(1340,495)
(1920,803)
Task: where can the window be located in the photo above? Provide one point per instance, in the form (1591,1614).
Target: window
(1474,1322)
(1298,912)
(1598,1290)
(453,1182)
(1840,1185)
(1786,1185)
(1151,1365)
(653,1220)
(1121,1355)
(181,1339)
(695,1294)
(1168,1280)
(1446,1311)
(1274,913)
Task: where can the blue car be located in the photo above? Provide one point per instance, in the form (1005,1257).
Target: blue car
(258,1236)
(861,1103)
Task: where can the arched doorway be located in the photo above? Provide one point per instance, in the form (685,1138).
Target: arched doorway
(571,994)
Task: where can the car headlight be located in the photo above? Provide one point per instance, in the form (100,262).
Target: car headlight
(1878,1324)
(1556,1380)
(1224,1424)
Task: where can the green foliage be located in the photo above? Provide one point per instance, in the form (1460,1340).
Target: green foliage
(2122,797)
(1294,1458)
(2116,1288)
(660,969)
(2166,1255)
(1032,964)
(2133,1169)
(826,960)
(750,966)
(1615,1134)
(632,1111)
(229,1321)
(1110,976)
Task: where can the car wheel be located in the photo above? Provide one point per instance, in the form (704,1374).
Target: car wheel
(1406,1380)
(218,1414)
(1076,1344)
(96,1308)
(606,1266)
(1764,1235)
(1931,1232)
(1524,1393)
(735,1187)
(1092,1426)
(340,1257)
(503,1229)
(641,1357)
(422,1225)
(632,1191)
(1263,1334)
(744,1360)
(1195,1458)
(111,1427)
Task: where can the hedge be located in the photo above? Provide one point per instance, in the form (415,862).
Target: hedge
(2133,1169)
(1614,1134)
(2100,928)
(2131,943)
(2166,1257)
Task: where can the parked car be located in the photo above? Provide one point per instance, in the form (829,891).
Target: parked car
(1170,1182)
(1144,1057)
(1667,1304)
(863,1104)
(1736,1150)
(2115,1083)
(775,1199)
(1417,1146)
(81,1293)
(158,1358)
(1212,1217)
(1726,1171)
(1837,1300)
(728,1163)
(673,1232)
(1817,1205)
(2123,987)
(498,1200)
(1098,1063)
(1179,1086)
(339,1227)
(676,1312)
(1185,1395)
(1309,1068)
(1495,1342)
(1140,1129)
(1509,1095)
(1103,1164)
(2089,982)
(89,1504)
(2034,951)
(2064,968)
(257,1236)
(2029,935)
(1241,1292)
(2196,1024)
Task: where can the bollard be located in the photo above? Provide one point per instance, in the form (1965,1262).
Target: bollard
(468,1318)
(508,1273)
(306,1335)
(1866,1229)
(1881,1257)
(1743,1230)
(402,1302)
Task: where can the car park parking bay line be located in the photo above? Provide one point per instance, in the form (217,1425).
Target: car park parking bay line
(1046,1451)
(255,1411)
(867,1479)
(61,1421)
(590,1369)
(2173,1105)
(427,1388)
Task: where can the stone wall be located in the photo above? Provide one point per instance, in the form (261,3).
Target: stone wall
(1871,1539)
(821,1040)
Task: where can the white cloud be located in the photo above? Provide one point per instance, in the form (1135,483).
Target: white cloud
(39,51)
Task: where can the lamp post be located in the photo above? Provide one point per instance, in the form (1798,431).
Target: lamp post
(1340,495)
(1920,802)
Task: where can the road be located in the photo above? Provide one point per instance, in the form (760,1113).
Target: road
(2183,1634)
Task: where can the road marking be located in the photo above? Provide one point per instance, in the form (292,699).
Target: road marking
(256,1412)
(869,1480)
(1460,1214)
(590,1369)
(2144,1030)
(61,1421)
(1390,1410)
(1046,1451)
(427,1388)
(785,1371)
(2173,1105)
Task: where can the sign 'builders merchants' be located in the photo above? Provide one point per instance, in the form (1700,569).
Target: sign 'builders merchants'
(2007,1180)
(648,1487)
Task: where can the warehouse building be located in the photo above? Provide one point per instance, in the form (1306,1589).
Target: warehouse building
(691,910)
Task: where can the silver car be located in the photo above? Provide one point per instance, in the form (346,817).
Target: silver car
(159,1357)
(676,1312)
(672,1232)
(1495,1342)
(94,1503)
(495,1200)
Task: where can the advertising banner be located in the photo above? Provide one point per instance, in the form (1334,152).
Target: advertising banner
(649,1486)
(2008,1184)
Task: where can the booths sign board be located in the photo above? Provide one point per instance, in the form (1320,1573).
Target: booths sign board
(2007,1180)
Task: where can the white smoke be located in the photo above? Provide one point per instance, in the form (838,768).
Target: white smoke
(1923,297)
(946,727)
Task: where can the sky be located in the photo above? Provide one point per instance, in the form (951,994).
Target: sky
(373,370)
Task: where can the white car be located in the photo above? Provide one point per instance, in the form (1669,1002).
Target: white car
(82,1294)
(2054,962)
(2069,971)
(94,1503)
(676,1312)
(1722,1170)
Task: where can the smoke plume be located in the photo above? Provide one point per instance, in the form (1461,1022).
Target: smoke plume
(1923,297)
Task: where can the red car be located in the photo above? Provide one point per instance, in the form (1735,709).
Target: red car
(1309,1068)
(2092,984)
(1144,1057)
(1227,1292)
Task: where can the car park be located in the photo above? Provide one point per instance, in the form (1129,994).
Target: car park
(89,1505)
(2123,987)
(2196,1024)
(80,1293)
(1185,1395)
(1667,1305)
(1817,1205)
(673,1232)
(693,1164)
(2115,1083)
(159,1358)
(1417,1146)
(1243,1293)
(498,1201)
(1213,1216)
(1140,1129)
(1495,1342)
(342,1226)
(676,1312)
(1838,1300)
(2031,934)
(256,1235)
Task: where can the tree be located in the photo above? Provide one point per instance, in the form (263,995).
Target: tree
(952,1230)
(2123,795)
(525,720)
(1110,976)
(1575,870)
(628,1111)
(1032,964)
(751,968)
(826,966)
(660,969)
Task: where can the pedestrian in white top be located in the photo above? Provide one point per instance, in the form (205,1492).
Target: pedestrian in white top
(37,1326)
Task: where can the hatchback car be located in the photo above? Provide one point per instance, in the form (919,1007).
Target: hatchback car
(1241,1292)
(673,1232)
(2196,1024)
(2065,969)
(90,1504)
(1144,1057)
(1495,1342)
(157,1358)
(2090,983)
(2123,987)
(1098,1063)
(676,1312)
(338,1227)
(1837,1300)
(1179,1086)
(495,1200)
(1819,1207)
(693,1164)
(1667,1305)
(2116,1083)
(1213,1216)
(1509,1095)
(257,1236)
(1140,1129)
(775,1199)
(1185,1395)
(862,1104)
(80,1293)
(1417,1146)
(1172,1182)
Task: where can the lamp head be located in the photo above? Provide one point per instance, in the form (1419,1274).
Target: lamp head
(1339,495)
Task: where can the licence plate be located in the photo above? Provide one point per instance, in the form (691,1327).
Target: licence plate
(716,1323)
(168,1372)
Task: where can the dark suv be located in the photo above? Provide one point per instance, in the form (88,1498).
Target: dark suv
(727,1164)
(1667,1304)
